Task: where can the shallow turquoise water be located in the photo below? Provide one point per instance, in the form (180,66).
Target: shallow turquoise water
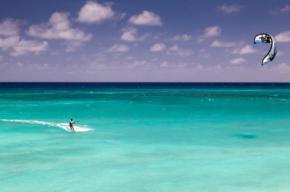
(143,139)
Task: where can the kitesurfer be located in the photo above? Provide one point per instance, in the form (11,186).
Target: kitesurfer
(71,124)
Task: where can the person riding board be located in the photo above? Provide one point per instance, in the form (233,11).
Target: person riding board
(71,124)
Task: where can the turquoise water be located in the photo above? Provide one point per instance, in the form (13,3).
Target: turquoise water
(145,139)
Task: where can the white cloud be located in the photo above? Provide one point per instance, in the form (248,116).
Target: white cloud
(283,68)
(164,64)
(204,53)
(93,12)
(146,18)
(247,49)
(182,37)
(282,10)
(158,47)
(58,27)
(218,43)
(237,61)
(119,48)
(9,27)
(175,49)
(138,63)
(72,46)
(283,37)
(231,8)
(24,47)
(9,42)
(212,31)
(130,35)
(17,47)
(280,53)
(285,9)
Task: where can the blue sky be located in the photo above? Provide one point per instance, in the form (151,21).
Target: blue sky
(126,40)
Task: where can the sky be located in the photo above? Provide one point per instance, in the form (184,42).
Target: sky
(142,41)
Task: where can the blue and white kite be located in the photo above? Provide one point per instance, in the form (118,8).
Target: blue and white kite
(266,38)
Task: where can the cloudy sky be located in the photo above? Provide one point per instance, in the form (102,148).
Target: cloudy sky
(152,40)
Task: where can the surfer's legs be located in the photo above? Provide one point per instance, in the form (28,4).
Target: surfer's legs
(72,128)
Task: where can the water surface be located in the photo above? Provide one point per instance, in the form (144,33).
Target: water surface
(145,137)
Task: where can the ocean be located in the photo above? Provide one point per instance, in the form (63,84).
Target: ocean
(145,137)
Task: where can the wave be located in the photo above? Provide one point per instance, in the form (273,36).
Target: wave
(64,126)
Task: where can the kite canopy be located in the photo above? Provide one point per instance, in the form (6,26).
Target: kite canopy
(268,39)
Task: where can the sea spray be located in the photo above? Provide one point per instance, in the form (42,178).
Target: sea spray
(64,126)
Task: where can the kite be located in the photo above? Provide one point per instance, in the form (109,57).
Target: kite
(268,39)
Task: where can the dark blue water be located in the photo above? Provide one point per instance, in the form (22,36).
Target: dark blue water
(144,85)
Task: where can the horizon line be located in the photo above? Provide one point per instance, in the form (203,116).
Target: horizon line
(159,82)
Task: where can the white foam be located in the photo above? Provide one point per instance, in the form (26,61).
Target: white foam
(64,126)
